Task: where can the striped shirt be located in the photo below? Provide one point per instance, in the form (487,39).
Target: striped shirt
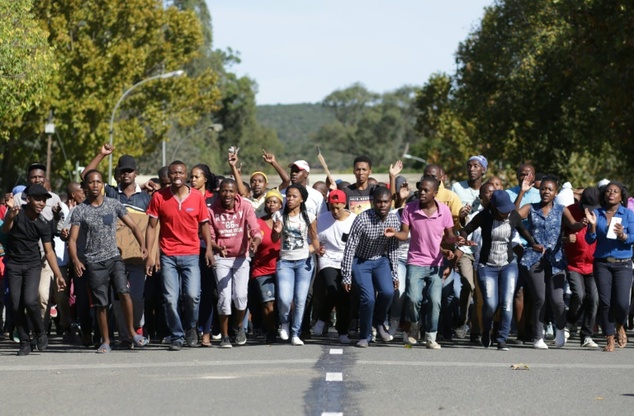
(367,241)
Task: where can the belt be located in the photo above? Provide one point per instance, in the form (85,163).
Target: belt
(615,260)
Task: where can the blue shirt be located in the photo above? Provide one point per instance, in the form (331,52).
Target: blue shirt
(546,231)
(530,197)
(608,247)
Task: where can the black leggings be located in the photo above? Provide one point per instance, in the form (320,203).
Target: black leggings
(336,296)
(542,282)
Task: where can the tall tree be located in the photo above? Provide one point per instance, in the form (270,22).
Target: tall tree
(26,61)
(102,48)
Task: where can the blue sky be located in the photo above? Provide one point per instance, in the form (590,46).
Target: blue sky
(300,51)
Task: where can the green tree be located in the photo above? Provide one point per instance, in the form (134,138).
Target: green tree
(549,81)
(102,48)
(26,61)
(378,125)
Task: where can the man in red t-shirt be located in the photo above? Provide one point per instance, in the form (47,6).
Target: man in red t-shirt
(580,257)
(182,214)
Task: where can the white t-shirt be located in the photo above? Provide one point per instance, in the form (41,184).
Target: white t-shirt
(295,238)
(333,235)
(315,204)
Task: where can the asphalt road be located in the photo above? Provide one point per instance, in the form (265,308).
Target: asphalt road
(257,379)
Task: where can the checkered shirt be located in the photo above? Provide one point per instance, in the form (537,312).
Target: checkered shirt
(367,241)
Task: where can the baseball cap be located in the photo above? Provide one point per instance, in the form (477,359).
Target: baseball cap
(37,190)
(126,162)
(301,164)
(18,189)
(36,165)
(590,198)
(502,202)
(337,197)
(399,182)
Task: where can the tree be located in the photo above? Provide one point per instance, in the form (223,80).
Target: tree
(102,48)
(367,123)
(549,81)
(26,61)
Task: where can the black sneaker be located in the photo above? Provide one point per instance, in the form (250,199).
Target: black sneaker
(24,349)
(270,337)
(241,337)
(502,346)
(192,337)
(486,340)
(225,343)
(42,342)
(175,346)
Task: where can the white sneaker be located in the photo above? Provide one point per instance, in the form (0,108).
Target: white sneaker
(560,338)
(589,343)
(297,342)
(216,337)
(549,333)
(567,333)
(432,345)
(343,339)
(373,335)
(318,329)
(284,332)
(363,343)
(408,339)
(383,334)
(540,344)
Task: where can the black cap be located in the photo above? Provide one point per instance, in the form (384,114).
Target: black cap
(36,165)
(126,162)
(502,202)
(590,198)
(37,190)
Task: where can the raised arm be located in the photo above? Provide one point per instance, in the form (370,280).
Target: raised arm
(235,171)
(270,159)
(105,150)
(395,169)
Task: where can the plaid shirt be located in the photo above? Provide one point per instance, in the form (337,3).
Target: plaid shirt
(367,241)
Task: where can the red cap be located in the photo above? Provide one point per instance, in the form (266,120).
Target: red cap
(337,197)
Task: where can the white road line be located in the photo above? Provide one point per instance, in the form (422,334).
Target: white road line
(336,351)
(334,376)
(332,414)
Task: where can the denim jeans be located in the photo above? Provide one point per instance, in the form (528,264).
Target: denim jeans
(614,283)
(373,279)
(181,273)
(421,279)
(293,283)
(396,310)
(497,285)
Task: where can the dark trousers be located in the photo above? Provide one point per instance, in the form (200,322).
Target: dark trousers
(337,297)
(544,284)
(24,283)
(208,295)
(583,302)
(614,283)
(83,303)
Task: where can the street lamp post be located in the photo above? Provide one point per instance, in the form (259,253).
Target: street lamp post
(125,94)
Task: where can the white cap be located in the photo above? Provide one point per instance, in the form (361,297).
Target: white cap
(301,164)
(603,182)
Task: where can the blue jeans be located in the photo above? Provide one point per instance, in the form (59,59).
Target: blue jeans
(293,283)
(373,279)
(426,279)
(497,285)
(181,273)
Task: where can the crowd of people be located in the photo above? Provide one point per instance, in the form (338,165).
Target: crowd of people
(191,257)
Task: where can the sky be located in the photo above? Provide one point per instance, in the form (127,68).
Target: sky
(300,51)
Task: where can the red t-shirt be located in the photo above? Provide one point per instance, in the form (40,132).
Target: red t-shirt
(265,259)
(179,221)
(580,255)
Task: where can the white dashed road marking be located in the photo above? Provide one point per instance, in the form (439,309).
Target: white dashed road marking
(336,351)
(334,376)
